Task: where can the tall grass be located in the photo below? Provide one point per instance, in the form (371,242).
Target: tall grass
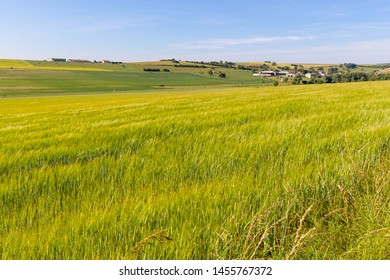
(269,173)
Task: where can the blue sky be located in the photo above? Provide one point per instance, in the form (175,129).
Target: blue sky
(243,30)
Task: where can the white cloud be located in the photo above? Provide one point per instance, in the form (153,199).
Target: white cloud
(375,51)
(342,14)
(228,42)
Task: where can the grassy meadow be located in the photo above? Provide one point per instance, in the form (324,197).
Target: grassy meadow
(293,172)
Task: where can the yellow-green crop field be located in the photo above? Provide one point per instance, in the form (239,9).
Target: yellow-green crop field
(294,172)
(22,64)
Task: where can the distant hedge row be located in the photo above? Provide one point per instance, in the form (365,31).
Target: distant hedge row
(156,70)
(189,66)
(152,69)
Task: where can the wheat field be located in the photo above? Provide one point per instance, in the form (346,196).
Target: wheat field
(294,172)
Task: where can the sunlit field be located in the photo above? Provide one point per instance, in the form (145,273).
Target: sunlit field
(294,172)
(26,78)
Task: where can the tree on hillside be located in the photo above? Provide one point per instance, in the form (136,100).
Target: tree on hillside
(328,79)
(332,70)
(264,67)
(295,66)
(349,65)
(297,80)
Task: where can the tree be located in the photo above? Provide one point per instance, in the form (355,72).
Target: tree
(297,80)
(222,75)
(349,65)
(295,66)
(210,72)
(337,78)
(328,79)
(276,83)
(332,70)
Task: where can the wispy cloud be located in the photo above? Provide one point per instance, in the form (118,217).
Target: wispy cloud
(103,25)
(228,42)
(374,26)
(374,51)
(341,14)
(216,21)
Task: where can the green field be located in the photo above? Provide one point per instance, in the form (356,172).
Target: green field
(26,78)
(41,82)
(293,172)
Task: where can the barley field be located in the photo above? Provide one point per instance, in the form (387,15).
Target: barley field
(294,172)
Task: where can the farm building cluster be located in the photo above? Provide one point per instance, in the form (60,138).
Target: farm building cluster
(288,74)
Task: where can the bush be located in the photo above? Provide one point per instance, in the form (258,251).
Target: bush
(152,70)
(297,80)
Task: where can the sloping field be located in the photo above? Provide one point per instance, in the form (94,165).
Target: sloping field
(13,63)
(22,64)
(262,173)
(28,82)
(384,71)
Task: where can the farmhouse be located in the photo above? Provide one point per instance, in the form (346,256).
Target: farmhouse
(311,75)
(57,59)
(272,74)
(267,73)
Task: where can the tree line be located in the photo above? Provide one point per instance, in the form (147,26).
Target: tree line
(189,66)
(346,77)
(156,70)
